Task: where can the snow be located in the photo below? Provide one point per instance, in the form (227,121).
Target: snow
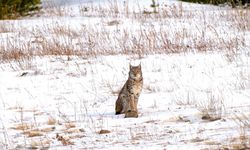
(81,91)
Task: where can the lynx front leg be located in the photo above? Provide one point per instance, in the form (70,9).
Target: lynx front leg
(125,107)
(132,111)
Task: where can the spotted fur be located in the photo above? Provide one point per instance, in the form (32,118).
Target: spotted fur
(128,97)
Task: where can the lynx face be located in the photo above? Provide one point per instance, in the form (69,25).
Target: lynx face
(135,72)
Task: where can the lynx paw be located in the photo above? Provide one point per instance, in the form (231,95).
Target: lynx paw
(131,114)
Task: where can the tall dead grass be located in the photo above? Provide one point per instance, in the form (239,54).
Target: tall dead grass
(148,33)
(242,141)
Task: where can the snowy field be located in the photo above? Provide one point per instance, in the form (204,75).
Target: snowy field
(61,71)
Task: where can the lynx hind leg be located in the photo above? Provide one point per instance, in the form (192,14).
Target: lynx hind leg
(118,107)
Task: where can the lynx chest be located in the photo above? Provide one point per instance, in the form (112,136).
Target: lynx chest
(135,87)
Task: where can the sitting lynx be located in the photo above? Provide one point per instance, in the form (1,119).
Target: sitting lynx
(128,97)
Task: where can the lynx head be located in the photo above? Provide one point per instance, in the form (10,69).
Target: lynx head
(135,72)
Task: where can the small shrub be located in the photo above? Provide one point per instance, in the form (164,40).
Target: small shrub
(212,109)
(10,9)
(217,2)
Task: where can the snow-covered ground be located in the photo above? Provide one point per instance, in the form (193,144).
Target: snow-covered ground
(195,63)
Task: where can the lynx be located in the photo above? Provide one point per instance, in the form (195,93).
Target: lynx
(128,97)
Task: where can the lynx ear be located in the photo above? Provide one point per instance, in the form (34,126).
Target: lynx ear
(140,65)
(130,66)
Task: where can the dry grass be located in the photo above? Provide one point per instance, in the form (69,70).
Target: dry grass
(212,108)
(47,129)
(183,101)
(43,144)
(153,34)
(22,126)
(243,140)
(65,140)
(6,26)
(51,121)
(70,125)
(33,133)
(104,131)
